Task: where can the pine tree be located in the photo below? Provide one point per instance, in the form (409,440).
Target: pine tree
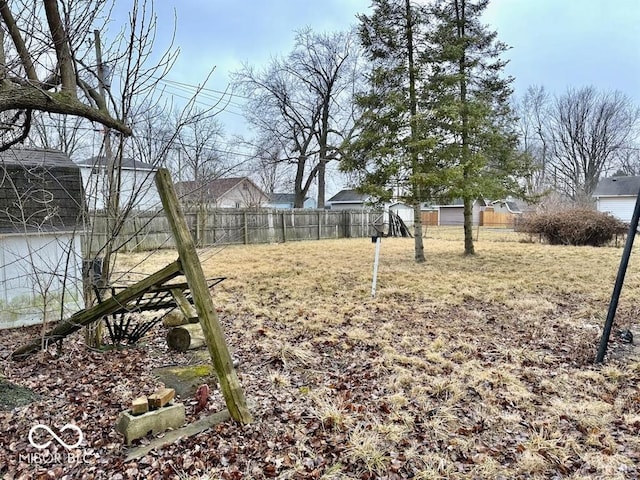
(390,154)
(468,98)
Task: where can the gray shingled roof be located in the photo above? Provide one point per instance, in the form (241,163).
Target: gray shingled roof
(284,198)
(129,163)
(40,190)
(348,196)
(35,157)
(617,186)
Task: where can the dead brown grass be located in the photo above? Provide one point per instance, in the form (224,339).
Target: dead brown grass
(461,367)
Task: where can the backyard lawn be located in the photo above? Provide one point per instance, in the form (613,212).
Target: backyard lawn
(461,368)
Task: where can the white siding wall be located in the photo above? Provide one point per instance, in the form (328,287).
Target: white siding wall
(36,266)
(620,207)
(137,184)
(405,212)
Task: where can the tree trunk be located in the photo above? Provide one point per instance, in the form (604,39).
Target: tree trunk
(417,233)
(186,337)
(413,107)
(468,227)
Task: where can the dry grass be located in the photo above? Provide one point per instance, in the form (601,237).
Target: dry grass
(461,367)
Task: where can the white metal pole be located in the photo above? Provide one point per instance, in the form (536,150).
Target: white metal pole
(375,266)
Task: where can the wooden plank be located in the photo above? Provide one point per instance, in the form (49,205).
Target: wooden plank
(139,405)
(222,362)
(183,304)
(160,398)
(108,307)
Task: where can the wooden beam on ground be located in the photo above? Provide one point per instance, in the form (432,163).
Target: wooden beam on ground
(109,306)
(172,436)
(192,269)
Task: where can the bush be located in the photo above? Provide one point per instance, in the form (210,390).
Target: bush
(574,227)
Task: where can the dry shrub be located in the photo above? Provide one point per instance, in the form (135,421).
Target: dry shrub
(573,227)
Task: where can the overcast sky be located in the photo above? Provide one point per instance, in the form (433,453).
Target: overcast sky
(555,43)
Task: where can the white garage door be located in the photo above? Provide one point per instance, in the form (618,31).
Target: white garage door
(621,207)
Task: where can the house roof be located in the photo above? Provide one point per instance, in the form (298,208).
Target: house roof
(127,163)
(284,198)
(40,190)
(511,205)
(348,196)
(618,187)
(459,202)
(215,188)
(35,157)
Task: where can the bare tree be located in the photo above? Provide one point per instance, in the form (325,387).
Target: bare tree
(200,146)
(71,135)
(533,115)
(589,131)
(267,167)
(40,68)
(299,101)
(327,65)
(629,161)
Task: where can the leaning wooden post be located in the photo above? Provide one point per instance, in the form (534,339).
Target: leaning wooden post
(229,384)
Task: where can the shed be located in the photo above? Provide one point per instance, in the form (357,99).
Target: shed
(617,196)
(41,208)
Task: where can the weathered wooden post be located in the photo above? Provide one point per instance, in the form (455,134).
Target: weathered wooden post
(245,226)
(284,229)
(222,362)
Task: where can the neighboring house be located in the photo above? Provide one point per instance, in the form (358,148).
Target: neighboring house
(453,213)
(137,184)
(286,201)
(348,200)
(617,196)
(41,210)
(237,192)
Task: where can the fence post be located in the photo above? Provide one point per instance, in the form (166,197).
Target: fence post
(246,230)
(284,228)
(319,226)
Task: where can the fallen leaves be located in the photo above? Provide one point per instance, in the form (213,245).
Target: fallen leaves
(408,385)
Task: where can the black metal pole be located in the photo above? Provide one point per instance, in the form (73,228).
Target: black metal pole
(615,296)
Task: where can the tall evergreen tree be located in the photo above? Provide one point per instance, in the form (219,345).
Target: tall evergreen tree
(468,97)
(390,153)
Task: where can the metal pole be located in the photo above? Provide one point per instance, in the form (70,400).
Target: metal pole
(615,296)
(375,266)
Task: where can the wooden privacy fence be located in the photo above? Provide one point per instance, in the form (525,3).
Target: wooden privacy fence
(496,219)
(429,218)
(143,231)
